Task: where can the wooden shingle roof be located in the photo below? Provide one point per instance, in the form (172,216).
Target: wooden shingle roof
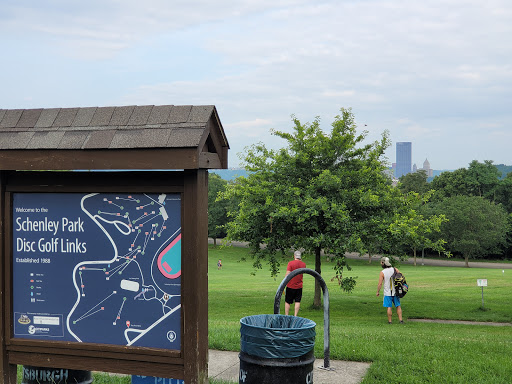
(127,137)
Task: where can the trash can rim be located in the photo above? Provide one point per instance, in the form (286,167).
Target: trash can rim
(309,323)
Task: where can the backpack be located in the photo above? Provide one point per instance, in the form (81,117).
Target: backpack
(401,286)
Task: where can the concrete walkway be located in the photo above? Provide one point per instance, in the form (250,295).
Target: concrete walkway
(225,365)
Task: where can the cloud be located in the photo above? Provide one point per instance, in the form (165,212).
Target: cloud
(330,93)
(251,129)
(415,131)
(250,124)
(100,29)
(434,70)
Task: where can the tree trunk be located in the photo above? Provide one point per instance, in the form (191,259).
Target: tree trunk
(214,241)
(369,258)
(414,250)
(317,301)
(466,259)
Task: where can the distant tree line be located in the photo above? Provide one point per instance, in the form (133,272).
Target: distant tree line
(477,202)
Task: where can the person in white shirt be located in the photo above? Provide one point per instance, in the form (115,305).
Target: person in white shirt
(389,290)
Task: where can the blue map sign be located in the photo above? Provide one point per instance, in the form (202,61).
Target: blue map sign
(98,268)
(154,380)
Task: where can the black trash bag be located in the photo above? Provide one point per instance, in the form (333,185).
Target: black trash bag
(276,336)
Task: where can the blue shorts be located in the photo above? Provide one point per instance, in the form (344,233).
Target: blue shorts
(390,300)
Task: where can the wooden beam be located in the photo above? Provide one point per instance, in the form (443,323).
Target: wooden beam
(218,142)
(7,370)
(98,363)
(195,276)
(154,158)
(95,350)
(164,181)
(208,160)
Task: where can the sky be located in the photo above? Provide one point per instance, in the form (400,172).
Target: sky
(437,73)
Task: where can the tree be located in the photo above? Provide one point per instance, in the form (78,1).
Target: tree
(217,210)
(504,197)
(414,182)
(482,179)
(504,170)
(504,192)
(449,184)
(475,228)
(416,230)
(314,194)
(378,212)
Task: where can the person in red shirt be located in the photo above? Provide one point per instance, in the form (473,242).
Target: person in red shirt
(294,286)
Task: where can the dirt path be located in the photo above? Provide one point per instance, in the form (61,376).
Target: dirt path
(419,261)
(460,322)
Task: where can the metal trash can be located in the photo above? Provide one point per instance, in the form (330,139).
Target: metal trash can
(43,375)
(276,349)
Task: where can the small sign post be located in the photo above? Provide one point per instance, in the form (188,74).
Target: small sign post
(482,283)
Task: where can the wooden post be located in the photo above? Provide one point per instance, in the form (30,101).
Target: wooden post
(7,371)
(195,276)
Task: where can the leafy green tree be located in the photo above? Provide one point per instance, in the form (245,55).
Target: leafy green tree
(476,227)
(508,252)
(479,179)
(414,182)
(374,235)
(504,192)
(416,229)
(217,210)
(316,193)
(377,215)
(449,184)
(504,170)
(482,179)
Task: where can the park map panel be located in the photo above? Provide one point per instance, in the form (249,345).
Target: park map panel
(98,268)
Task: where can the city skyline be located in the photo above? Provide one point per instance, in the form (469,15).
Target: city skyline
(435,73)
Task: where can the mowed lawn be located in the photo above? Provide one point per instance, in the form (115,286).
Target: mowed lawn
(400,353)
(409,353)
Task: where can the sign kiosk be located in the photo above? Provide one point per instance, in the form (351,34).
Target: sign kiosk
(104,259)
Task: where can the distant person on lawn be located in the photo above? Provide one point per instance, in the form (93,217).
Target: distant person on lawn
(294,286)
(389,289)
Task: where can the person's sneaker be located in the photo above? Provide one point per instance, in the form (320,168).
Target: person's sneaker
(389,322)
(401,321)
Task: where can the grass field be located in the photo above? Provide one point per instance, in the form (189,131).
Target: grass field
(400,353)
(409,353)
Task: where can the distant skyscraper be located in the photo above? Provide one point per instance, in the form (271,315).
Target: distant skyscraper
(403,158)
(426,167)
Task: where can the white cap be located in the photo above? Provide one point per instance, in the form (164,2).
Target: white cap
(297,255)
(385,261)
